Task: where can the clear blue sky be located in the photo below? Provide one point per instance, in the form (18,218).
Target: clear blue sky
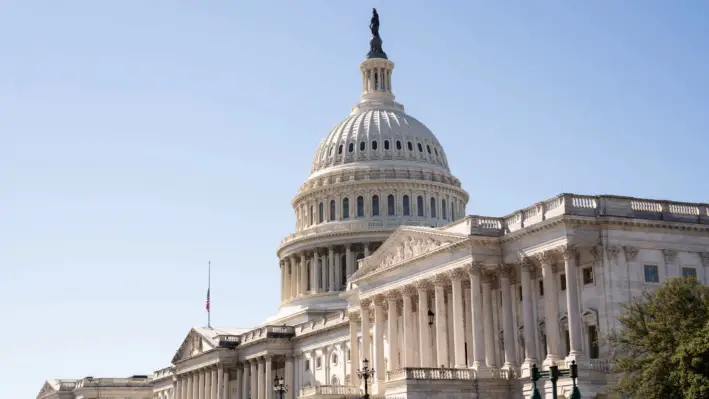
(140,139)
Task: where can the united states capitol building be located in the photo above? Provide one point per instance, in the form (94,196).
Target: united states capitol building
(384,265)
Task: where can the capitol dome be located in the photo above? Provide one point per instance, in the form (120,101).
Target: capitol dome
(377,170)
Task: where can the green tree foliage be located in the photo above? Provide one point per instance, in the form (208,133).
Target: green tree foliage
(662,348)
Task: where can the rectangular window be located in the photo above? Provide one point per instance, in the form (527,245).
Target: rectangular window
(349,354)
(593,342)
(541,288)
(587,275)
(563,281)
(519,291)
(689,272)
(307,364)
(652,274)
(318,362)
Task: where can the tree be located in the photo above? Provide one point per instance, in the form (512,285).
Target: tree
(662,348)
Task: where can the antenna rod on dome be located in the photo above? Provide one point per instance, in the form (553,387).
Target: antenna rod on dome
(209,287)
(375,45)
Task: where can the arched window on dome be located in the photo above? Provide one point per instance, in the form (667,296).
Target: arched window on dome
(376,81)
(312,215)
(398,145)
(443,209)
(407,206)
(386,145)
(332,210)
(453,209)
(375,205)
(428,148)
(435,151)
(309,271)
(329,152)
(419,206)
(350,147)
(410,146)
(390,205)
(321,213)
(362,145)
(360,207)
(420,147)
(433,207)
(343,269)
(339,149)
(345,208)
(374,145)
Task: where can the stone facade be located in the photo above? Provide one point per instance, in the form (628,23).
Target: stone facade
(135,387)
(384,266)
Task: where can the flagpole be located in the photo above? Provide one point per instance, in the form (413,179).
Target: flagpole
(209,301)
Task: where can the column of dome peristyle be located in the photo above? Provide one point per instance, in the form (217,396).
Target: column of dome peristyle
(376,80)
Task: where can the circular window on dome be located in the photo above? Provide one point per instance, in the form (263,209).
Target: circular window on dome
(410,146)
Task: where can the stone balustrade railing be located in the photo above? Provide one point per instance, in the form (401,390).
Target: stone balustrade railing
(343,391)
(114,382)
(360,225)
(418,373)
(587,205)
(162,373)
(602,365)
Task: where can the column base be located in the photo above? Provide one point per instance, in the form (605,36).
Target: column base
(526,369)
(578,357)
(511,369)
(550,360)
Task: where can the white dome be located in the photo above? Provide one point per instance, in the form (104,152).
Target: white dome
(376,134)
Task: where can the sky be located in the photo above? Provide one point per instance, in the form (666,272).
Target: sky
(140,140)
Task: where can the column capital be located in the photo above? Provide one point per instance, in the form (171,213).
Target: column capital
(705,258)
(289,357)
(268,357)
(669,254)
(422,285)
(439,280)
(489,277)
(353,316)
(474,268)
(506,271)
(568,251)
(392,295)
(546,257)
(612,251)
(365,303)
(456,274)
(526,264)
(596,251)
(377,301)
(407,291)
(630,253)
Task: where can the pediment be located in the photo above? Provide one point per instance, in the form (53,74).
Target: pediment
(193,345)
(405,245)
(47,389)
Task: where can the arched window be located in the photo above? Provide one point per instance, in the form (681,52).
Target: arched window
(321,213)
(433,207)
(428,148)
(443,209)
(407,207)
(386,144)
(350,147)
(339,149)
(332,210)
(310,273)
(410,146)
(419,205)
(375,205)
(362,146)
(398,144)
(312,215)
(420,147)
(360,207)
(345,208)
(343,269)
(390,205)
(374,145)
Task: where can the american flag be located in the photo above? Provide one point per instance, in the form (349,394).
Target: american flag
(207,305)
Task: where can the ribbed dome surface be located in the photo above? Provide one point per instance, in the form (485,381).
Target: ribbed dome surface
(375,133)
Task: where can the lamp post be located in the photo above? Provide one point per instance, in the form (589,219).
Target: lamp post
(553,374)
(365,373)
(279,387)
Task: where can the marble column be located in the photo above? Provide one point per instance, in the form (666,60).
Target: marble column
(489,330)
(214,385)
(302,277)
(178,387)
(260,371)
(189,393)
(199,386)
(289,377)
(527,268)
(268,377)
(348,260)
(572,302)
(366,347)
(407,313)
(283,281)
(507,322)
(441,327)
(254,379)
(293,277)
(422,288)
(392,330)
(475,271)
(207,384)
(354,347)
(456,277)
(320,283)
(220,382)
(379,327)
(331,267)
(246,381)
(551,308)
(366,249)
(225,385)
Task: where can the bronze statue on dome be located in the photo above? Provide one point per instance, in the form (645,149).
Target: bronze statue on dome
(375,45)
